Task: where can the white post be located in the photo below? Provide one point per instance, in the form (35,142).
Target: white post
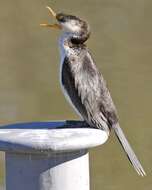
(40,156)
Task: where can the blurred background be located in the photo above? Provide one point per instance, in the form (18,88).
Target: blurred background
(121,43)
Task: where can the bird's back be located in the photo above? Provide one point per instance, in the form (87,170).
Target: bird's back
(87,89)
(89,94)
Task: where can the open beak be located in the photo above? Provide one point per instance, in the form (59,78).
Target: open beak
(55,25)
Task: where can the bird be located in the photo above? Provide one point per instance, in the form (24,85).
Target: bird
(82,83)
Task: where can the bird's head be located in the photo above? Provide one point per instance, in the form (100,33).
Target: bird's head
(77,28)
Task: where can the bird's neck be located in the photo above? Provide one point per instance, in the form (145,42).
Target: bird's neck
(72,40)
(80,39)
(67,47)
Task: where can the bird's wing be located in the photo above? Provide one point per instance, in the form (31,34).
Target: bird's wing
(88,92)
(86,89)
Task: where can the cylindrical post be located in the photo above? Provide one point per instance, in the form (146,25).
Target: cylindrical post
(67,171)
(46,157)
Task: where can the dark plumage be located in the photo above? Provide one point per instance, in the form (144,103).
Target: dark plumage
(82,82)
(84,85)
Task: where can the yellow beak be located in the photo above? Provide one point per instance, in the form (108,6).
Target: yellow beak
(56,25)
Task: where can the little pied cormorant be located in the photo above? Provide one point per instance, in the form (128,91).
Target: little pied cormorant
(84,85)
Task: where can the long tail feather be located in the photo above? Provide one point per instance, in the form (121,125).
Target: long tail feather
(127,148)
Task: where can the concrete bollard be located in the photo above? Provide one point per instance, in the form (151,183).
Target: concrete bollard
(48,155)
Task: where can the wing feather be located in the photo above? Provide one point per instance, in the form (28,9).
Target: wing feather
(86,89)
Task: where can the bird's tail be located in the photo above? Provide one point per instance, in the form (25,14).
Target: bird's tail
(128,150)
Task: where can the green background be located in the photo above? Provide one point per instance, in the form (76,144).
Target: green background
(121,43)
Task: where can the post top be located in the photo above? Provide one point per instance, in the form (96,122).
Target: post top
(39,137)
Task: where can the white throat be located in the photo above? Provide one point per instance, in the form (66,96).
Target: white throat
(64,48)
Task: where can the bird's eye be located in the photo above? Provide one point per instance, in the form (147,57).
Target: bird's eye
(61,17)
